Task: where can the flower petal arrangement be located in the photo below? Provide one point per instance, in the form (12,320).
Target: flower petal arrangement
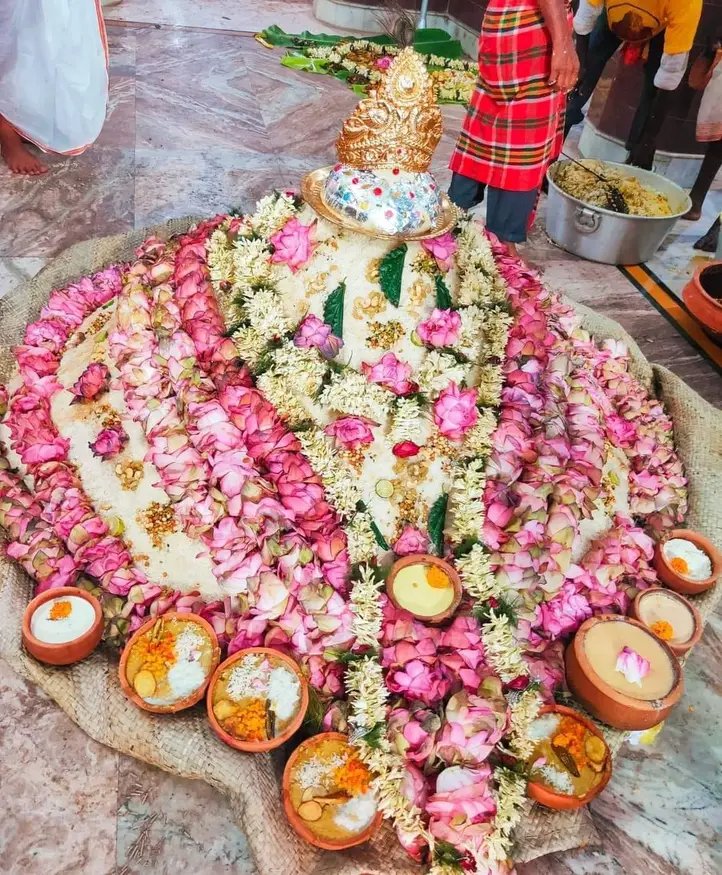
(240,424)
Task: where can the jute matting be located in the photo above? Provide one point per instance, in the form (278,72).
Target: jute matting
(184,744)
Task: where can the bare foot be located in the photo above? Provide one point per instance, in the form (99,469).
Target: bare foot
(692,215)
(15,155)
(512,249)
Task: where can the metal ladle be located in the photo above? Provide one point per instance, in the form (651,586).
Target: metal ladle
(615,198)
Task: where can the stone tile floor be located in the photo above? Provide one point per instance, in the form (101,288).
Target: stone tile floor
(201,119)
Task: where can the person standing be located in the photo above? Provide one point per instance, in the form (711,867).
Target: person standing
(660,33)
(514,126)
(706,76)
(53,79)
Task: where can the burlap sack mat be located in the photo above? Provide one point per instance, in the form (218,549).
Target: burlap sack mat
(184,744)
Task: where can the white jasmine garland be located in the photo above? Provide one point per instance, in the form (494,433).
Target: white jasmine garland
(368,616)
(524,708)
(466,499)
(437,370)
(250,345)
(501,648)
(251,262)
(264,311)
(406,421)
(477,441)
(361,540)
(272,213)
(302,369)
(275,388)
(510,802)
(350,392)
(476,575)
(341,488)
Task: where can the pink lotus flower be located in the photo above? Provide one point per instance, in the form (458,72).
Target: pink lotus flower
(419,682)
(351,432)
(442,248)
(391,373)
(441,328)
(293,244)
(472,727)
(94,380)
(415,789)
(384,62)
(564,613)
(314,332)
(632,665)
(622,431)
(109,442)
(413,733)
(411,540)
(455,411)
(463,806)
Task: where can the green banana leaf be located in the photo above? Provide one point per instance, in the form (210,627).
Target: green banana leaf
(297,61)
(430,40)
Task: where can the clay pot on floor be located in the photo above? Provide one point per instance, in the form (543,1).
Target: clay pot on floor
(703,297)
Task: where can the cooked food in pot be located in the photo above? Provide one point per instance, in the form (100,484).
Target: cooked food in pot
(585,186)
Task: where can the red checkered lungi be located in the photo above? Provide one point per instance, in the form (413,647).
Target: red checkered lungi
(514,128)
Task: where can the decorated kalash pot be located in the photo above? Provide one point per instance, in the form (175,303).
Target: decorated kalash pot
(570,764)
(425,586)
(381,185)
(326,793)
(670,616)
(62,625)
(167,664)
(257,699)
(622,673)
(687,562)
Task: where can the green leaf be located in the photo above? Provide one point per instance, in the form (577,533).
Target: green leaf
(375,735)
(333,309)
(380,540)
(443,295)
(504,608)
(437,519)
(297,61)
(465,547)
(445,854)
(391,270)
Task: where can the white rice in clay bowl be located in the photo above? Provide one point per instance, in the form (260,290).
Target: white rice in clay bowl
(167,664)
(257,699)
(687,559)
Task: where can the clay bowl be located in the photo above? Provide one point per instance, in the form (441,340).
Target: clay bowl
(677,649)
(560,801)
(602,700)
(426,559)
(180,704)
(703,297)
(299,825)
(677,581)
(72,651)
(293,726)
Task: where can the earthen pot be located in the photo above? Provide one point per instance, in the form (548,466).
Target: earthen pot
(677,581)
(71,651)
(180,704)
(427,559)
(703,297)
(549,798)
(681,648)
(299,825)
(601,699)
(293,726)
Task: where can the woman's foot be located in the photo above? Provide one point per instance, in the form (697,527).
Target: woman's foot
(512,249)
(692,215)
(15,155)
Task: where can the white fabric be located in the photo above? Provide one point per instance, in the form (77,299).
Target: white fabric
(586,17)
(53,71)
(709,117)
(671,70)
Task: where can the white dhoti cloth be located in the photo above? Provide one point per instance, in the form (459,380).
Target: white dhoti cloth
(709,117)
(54,71)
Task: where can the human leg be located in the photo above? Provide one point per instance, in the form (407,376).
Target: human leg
(651,111)
(508,213)
(14,153)
(602,45)
(711,164)
(465,192)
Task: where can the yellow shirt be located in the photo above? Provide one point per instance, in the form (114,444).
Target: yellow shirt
(640,20)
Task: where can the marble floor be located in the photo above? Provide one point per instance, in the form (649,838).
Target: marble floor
(202,118)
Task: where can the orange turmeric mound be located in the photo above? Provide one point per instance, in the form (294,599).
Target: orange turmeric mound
(353,777)
(679,565)
(249,724)
(571,737)
(60,610)
(436,578)
(662,629)
(157,654)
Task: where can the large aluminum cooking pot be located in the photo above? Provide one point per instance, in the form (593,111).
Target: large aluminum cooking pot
(598,234)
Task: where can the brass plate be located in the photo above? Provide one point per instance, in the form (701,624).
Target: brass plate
(312,187)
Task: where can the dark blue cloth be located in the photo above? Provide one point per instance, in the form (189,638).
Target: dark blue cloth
(507,212)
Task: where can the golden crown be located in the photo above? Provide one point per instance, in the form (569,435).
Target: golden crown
(398,124)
